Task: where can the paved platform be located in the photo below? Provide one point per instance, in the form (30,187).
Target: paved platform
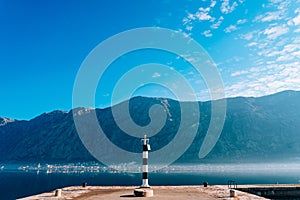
(160,192)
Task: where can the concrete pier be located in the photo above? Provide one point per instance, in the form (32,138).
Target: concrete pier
(161,193)
(277,191)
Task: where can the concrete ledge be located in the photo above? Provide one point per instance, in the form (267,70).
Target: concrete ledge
(273,191)
(143,192)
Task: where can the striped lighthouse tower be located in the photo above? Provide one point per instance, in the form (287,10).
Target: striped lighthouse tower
(146,148)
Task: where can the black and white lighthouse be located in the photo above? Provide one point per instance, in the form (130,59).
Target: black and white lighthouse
(144,190)
(146,148)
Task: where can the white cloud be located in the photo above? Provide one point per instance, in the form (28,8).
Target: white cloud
(272,53)
(206,10)
(284,5)
(207,33)
(230,28)
(271,62)
(190,17)
(296,54)
(275,32)
(269,16)
(263,45)
(227,8)
(186,21)
(251,44)
(238,73)
(186,35)
(284,54)
(213,3)
(218,23)
(156,75)
(285,57)
(290,22)
(248,36)
(275,59)
(296,20)
(241,21)
(290,47)
(202,16)
(206,14)
(189,28)
(275,78)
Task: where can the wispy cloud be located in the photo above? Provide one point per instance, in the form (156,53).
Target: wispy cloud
(213,3)
(277,77)
(238,73)
(226,8)
(241,21)
(270,41)
(296,20)
(276,31)
(249,36)
(207,33)
(276,53)
(230,28)
(208,15)
(218,23)
(285,58)
(251,44)
(269,16)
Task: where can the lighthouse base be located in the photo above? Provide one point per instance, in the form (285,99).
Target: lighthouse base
(143,192)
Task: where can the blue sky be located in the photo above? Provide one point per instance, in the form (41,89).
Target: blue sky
(255,45)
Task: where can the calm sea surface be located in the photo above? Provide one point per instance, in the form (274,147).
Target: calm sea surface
(17,181)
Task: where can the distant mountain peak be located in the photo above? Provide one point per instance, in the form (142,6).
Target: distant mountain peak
(4,121)
(81,111)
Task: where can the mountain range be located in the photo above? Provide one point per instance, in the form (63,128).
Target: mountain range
(258,129)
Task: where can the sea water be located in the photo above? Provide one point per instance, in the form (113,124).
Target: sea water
(18,181)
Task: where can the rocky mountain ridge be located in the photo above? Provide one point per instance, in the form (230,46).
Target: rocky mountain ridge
(258,129)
